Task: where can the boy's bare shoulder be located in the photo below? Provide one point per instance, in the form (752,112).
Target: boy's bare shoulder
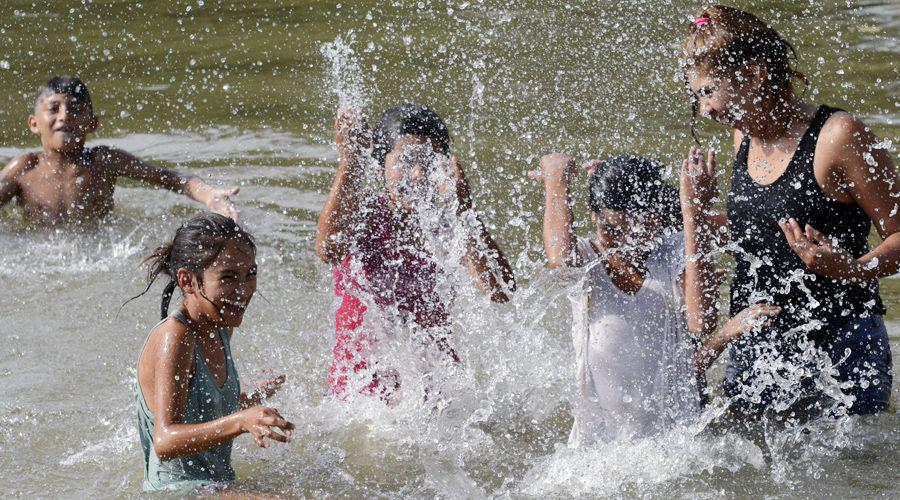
(21,165)
(110,158)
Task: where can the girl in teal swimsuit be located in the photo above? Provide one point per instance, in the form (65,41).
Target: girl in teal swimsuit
(189,401)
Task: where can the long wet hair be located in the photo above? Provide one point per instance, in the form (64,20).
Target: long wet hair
(634,185)
(723,40)
(408,119)
(195,247)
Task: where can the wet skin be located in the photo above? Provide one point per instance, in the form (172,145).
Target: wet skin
(68,184)
(849,165)
(215,298)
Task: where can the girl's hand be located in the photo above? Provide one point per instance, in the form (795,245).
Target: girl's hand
(268,384)
(818,252)
(351,133)
(555,167)
(220,201)
(262,422)
(755,316)
(697,182)
(591,166)
(457,179)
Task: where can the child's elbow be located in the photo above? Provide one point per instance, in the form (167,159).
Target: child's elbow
(164,447)
(555,261)
(328,251)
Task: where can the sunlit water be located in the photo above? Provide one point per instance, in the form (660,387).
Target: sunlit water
(246,96)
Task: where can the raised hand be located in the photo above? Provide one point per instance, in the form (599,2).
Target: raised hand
(269,384)
(697,182)
(817,251)
(220,201)
(351,132)
(555,167)
(263,422)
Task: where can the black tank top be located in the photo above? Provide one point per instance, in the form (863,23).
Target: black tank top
(767,269)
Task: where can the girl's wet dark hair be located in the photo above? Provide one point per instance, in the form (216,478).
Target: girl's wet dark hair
(195,246)
(412,119)
(723,40)
(633,184)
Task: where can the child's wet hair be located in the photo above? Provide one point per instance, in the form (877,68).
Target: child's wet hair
(723,40)
(195,247)
(408,119)
(67,85)
(634,185)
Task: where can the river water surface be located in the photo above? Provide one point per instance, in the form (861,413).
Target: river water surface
(245,95)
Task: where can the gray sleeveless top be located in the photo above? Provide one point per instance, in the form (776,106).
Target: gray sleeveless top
(206,401)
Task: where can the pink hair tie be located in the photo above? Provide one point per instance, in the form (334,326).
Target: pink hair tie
(700,21)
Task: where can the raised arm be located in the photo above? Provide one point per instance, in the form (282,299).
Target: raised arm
(698,191)
(172,377)
(559,235)
(215,199)
(484,258)
(342,215)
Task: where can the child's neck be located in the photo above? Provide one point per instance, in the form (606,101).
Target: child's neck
(775,120)
(627,271)
(198,322)
(64,158)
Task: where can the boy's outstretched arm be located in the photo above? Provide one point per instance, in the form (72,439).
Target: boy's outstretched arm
(215,199)
(559,235)
(484,258)
(341,214)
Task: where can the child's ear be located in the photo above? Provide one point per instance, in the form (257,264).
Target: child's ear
(187,281)
(32,124)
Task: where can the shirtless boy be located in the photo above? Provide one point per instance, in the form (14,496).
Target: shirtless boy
(69,184)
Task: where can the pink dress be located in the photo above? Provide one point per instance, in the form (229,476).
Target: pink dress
(381,284)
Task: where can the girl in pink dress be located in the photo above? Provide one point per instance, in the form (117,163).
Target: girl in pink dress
(386,276)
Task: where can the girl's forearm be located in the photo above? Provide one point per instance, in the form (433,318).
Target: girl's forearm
(882,261)
(340,213)
(559,236)
(487,262)
(171,441)
(700,287)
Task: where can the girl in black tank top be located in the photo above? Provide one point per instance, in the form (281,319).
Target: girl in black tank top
(768,270)
(828,350)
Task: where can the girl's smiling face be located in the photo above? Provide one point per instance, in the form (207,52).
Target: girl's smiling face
(228,284)
(727,100)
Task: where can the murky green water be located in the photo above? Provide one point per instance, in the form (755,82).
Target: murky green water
(243,95)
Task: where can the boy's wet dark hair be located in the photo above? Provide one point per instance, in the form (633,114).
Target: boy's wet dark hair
(67,85)
(408,118)
(195,246)
(633,184)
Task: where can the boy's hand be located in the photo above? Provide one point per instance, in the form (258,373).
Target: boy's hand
(351,133)
(555,167)
(755,316)
(697,182)
(220,202)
